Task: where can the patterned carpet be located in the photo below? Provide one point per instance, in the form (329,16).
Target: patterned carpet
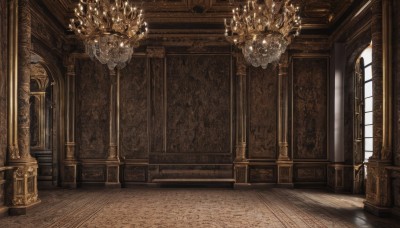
(188,207)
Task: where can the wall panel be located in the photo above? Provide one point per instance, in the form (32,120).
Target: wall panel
(262,174)
(310,93)
(263,91)
(198,104)
(134,110)
(92,105)
(309,173)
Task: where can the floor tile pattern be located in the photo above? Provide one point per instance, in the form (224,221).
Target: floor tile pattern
(196,207)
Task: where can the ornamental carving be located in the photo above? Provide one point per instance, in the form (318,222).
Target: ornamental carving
(39,75)
(24,191)
(14,152)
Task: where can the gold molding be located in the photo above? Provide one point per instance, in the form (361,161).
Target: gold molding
(386,153)
(113,143)
(283,94)
(12,71)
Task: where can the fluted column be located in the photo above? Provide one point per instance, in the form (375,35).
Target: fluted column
(24,179)
(284,164)
(241,163)
(387,119)
(69,172)
(378,191)
(12,80)
(112,162)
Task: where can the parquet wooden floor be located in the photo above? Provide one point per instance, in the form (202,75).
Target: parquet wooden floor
(196,207)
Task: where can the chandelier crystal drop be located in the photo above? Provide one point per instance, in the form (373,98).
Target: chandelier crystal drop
(263,29)
(110,30)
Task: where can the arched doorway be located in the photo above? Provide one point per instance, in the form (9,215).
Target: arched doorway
(46,118)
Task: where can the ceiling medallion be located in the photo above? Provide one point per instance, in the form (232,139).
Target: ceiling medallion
(110,30)
(263,29)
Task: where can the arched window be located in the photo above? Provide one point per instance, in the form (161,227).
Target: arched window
(363,117)
(366,66)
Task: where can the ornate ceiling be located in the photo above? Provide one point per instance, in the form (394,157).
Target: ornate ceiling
(205,17)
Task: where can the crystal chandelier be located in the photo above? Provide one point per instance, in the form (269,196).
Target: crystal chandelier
(110,30)
(263,29)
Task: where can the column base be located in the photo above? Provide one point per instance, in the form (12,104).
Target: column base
(377,211)
(113,172)
(69,174)
(22,187)
(285,170)
(21,210)
(241,171)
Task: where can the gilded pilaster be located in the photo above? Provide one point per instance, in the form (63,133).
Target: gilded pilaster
(284,164)
(378,190)
(283,109)
(113,155)
(69,172)
(241,163)
(112,151)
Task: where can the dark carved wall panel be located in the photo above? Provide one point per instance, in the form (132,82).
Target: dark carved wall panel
(198,104)
(263,90)
(309,173)
(310,88)
(135,173)
(3,83)
(133,110)
(93,105)
(94,173)
(262,174)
